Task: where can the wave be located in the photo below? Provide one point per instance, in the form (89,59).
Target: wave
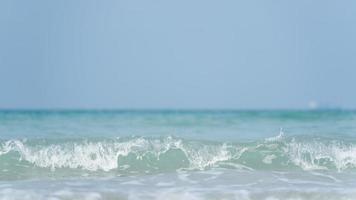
(118,154)
(149,155)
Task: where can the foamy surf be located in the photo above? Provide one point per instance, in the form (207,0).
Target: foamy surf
(140,155)
(211,185)
(178,155)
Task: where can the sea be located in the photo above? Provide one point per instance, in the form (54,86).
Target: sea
(178,154)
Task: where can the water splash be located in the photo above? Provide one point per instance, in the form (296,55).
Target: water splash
(139,154)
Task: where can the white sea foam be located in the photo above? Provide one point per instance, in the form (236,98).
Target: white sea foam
(104,155)
(193,192)
(147,154)
(277,138)
(317,155)
(269,158)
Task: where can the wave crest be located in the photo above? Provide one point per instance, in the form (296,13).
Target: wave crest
(130,155)
(107,155)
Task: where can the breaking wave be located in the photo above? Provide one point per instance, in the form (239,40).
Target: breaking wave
(150,155)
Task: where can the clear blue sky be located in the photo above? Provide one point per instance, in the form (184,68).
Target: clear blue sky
(177,54)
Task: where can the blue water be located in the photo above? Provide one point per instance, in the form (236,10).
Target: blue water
(178,154)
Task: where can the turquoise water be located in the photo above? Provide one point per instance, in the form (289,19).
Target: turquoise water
(178,154)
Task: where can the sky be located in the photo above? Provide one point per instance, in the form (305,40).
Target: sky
(204,54)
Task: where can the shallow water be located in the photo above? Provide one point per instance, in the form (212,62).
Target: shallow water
(178,155)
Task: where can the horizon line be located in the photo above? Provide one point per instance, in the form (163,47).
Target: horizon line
(169,109)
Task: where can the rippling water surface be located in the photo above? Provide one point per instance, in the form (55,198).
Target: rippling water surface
(178,155)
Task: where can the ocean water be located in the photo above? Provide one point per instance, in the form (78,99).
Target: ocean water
(173,154)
